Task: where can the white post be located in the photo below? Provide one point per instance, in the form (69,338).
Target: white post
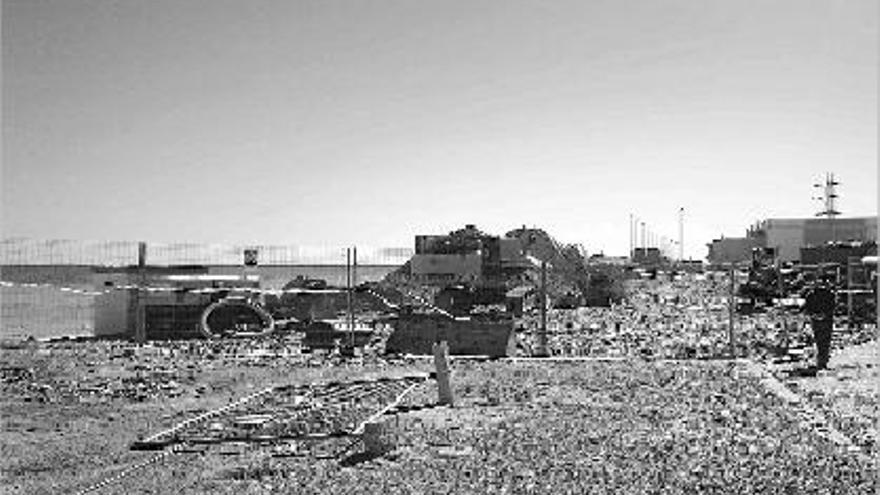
(441,363)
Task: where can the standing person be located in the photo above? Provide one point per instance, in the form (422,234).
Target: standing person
(820,306)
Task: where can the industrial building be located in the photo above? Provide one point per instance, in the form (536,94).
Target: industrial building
(466,256)
(789,237)
(650,256)
(728,250)
(840,253)
(184,302)
(431,268)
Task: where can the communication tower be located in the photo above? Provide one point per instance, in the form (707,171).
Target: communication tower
(829,196)
(829,200)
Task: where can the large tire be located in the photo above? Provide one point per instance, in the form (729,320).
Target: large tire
(227,317)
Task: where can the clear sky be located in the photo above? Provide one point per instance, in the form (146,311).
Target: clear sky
(338,122)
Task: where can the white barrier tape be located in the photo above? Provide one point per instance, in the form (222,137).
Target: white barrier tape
(381,412)
(207,290)
(208,414)
(127,471)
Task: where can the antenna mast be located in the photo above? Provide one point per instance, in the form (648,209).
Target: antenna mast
(829,196)
(829,200)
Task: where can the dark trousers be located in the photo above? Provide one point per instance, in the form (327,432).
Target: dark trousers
(822,336)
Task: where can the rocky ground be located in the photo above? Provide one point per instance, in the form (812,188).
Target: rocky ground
(518,426)
(848,393)
(71,410)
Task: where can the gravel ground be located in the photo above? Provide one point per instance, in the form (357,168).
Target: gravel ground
(627,426)
(848,393)
(70,410)
(630,425)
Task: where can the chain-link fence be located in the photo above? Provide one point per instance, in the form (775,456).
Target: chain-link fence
(48,287)
(34,252)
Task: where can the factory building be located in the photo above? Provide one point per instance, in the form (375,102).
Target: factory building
(447,268)
(466,256)
(790,235)
(176,302)
(843,254)
(731,250)
(651,257)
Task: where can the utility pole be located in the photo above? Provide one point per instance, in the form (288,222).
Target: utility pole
(354,268)
(348,294)
(681,234)
(630,253)
(780,290)
(351,292)
(140,328)
(644,239)
(542,332)
(731,307)
(779,286)
(850,266)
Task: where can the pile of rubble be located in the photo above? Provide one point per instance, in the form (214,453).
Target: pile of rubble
(687,318)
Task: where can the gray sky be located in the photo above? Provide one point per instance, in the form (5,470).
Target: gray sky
(327,122)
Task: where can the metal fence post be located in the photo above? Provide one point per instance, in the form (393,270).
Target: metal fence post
(731,305)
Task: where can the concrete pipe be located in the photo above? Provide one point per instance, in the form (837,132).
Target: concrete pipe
(235,318)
